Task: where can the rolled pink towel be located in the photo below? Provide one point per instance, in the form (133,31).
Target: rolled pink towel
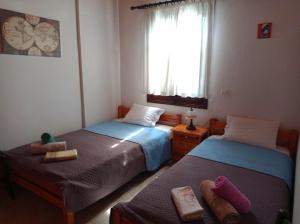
(227,190)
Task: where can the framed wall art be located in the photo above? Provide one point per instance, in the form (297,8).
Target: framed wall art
(24,34)
(264,30)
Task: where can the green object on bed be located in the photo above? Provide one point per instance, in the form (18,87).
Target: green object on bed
(47,138)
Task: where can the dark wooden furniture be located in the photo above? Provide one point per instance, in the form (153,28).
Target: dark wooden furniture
(5,176)
(2,170)
(185,140)
(51,193)
(194,102)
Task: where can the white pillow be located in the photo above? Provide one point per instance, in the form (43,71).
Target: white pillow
(252,131)
(143,115)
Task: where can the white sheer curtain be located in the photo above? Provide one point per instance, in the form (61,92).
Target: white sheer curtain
(178,48)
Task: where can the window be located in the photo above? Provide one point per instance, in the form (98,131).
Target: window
(178,49)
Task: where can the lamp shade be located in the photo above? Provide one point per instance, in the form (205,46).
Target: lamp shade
(191,114)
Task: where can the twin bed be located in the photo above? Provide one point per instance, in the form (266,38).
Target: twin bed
(107,161)
(104,164)
(264,175)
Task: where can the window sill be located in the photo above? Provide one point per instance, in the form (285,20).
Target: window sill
(194,102)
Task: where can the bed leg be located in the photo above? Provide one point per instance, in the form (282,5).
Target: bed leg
(10,189)
(115,216)
(69,217)
(7,179)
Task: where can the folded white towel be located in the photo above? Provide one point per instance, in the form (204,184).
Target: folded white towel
(187,204)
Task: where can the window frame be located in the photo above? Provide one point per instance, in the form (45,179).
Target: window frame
(195,102)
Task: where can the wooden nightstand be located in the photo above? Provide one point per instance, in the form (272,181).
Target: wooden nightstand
(185,140)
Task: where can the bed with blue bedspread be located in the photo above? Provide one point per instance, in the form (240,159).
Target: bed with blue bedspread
(109,155)
(265,176)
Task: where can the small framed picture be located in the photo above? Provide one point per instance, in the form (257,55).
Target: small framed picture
(264,30)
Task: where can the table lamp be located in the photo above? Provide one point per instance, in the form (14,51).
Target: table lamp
(191,115)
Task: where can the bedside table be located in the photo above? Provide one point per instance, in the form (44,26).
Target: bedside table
(185,140)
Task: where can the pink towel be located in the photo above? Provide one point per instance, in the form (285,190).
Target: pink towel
(225,189)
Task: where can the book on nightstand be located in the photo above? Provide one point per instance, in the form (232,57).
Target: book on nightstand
(61,155)
(187,204)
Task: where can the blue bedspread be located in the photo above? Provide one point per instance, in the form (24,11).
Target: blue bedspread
(155,143)
(247,156)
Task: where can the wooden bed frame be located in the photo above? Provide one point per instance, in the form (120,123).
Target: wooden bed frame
(51,193)
(285,138)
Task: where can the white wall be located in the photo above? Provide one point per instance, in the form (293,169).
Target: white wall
(40,94)
(262,76)
(100,53)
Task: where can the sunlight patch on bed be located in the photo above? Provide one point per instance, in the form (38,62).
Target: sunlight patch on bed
(125,158)
(114,146)
(131,135)
(127,138)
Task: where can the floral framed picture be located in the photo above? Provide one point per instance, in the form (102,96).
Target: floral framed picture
(264,30)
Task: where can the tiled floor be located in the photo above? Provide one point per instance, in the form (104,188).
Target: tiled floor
(30,209)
